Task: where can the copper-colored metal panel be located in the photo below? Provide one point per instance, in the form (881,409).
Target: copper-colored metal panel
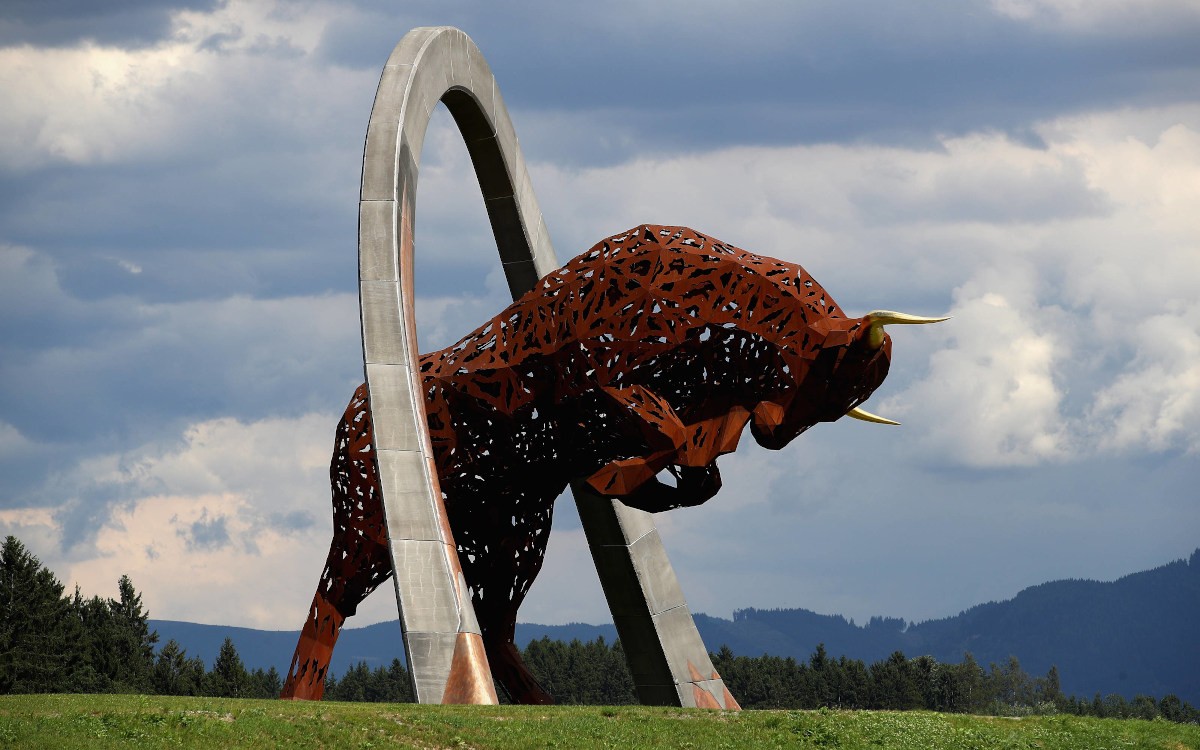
(470,679)
(306,676)
(358,559)
(704,698)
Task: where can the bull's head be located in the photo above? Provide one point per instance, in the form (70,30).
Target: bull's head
(845,371)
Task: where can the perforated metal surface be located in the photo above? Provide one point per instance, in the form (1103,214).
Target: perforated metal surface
(358,560)
(651,352)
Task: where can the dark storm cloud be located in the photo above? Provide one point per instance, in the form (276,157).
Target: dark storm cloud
(87,377)
(63,23)
(206,533)
(584,88)
(184,364)
(293,521)
(204,231)
(812,72)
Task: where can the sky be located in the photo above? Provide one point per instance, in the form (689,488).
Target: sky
(178,291)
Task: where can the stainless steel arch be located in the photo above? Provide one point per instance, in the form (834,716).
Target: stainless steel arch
(441,634)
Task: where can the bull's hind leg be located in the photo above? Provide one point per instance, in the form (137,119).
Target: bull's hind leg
(501,545)
(358,555)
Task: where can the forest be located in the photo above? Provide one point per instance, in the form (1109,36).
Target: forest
(53,642)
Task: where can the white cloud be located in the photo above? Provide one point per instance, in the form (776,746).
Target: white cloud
(568,589)
(1062,258)
(888,221)
(991,394)
(11,440)
(241,67)
(231,525)
(259,489)
(1154,404)
(1143,17)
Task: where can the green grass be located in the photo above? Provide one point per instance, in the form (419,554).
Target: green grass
(64,722)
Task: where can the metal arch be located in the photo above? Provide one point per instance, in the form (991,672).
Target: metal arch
(441,635)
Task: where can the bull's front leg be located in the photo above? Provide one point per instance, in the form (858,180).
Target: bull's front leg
(688,452)
(645,426)
(693,486)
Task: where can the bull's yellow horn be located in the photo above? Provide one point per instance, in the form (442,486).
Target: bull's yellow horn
(866,416)
(877,319)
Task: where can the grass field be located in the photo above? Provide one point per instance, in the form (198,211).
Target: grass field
(63,722)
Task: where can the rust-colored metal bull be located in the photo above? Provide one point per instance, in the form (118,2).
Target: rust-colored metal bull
(650,352)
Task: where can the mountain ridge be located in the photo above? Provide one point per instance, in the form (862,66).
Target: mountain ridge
(1136,634)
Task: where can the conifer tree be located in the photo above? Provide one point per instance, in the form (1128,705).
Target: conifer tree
(927,674)
(83,677)
(99,642)
(967,692)
(894,684)
(264,684)
(1050,688)
(274,683)
(39,635)
(1144,707)
(1172,708)
(352,686)
(854,684)
(228,678)
(133,641)
(174,673)
(618,682)
(818,664)
(399,684)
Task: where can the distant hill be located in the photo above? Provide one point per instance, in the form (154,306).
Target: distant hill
(1138,634)
(375,644)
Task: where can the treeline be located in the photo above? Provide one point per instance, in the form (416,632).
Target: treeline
(175,673)
(51,642)
(381,685)
(56,643)
(579,673)
(596,673)
(922,683)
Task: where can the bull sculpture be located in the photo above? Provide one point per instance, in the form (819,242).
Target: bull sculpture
(648,354)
